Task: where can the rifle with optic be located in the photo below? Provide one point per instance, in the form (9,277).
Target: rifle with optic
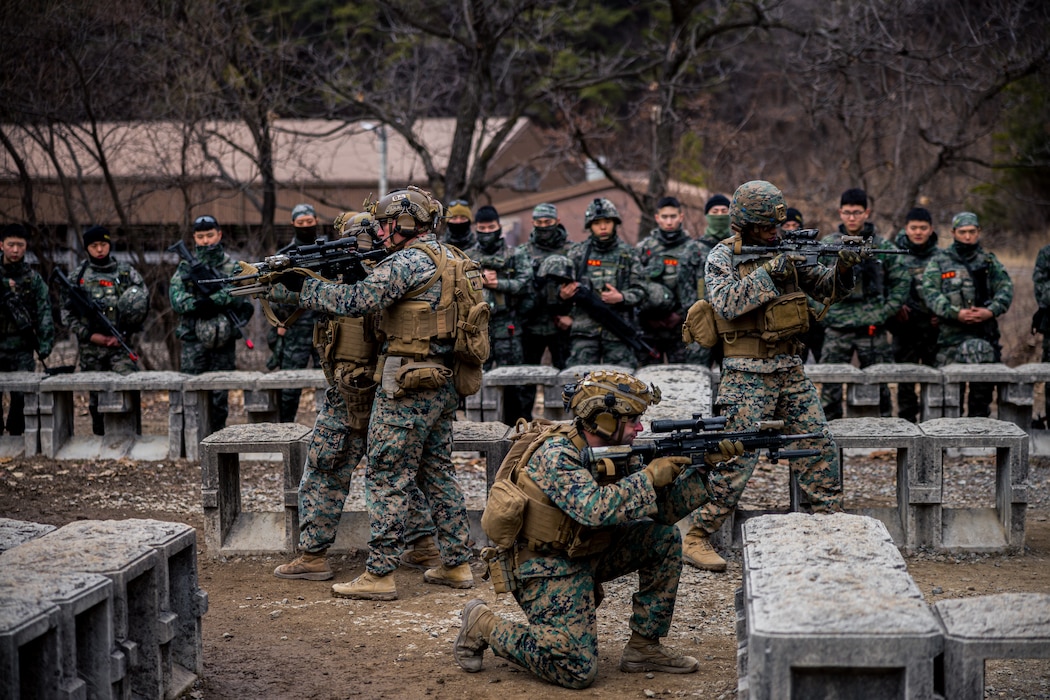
(803,243)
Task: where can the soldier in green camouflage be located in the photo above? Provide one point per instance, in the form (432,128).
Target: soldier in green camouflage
(609,526)
(858,323)
(410,430)
(120,292)
(338,440)
(292,345)
(610,267)
(507,276)
(914,327)
(26,324)
(968,289)
(673,276)
(716,230)
(208,335)
(762,374)
(1041,283)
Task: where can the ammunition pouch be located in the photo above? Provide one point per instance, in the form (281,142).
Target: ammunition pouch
(501,567)
(504,513)
(420,376)
(700,325)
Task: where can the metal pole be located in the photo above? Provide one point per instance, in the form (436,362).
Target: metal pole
(381,134)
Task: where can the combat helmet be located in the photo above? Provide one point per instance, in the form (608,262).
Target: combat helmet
(600,208)
(133,305)
(602,399)
(757,202)
(556,267)
(414,211)
(363,227)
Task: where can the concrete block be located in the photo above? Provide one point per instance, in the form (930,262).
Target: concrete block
(30,655)
(15,532)
(685,392)
(1003,626)
(491,440)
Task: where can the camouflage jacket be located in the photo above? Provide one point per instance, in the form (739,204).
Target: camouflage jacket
(674,267)
(30,288)
(952,282)
(512,296)
(390,281)
(1041,277)
(104,284)
(913,266)
(539,320)
(732,295)
(558,469)
(616,265)
(881,289)
(192,305)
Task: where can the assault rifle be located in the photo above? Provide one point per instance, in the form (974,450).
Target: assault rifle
(804,243)
(11,306)
(85,306)
(695,438)
(328,259)
(591,302)
(202,277)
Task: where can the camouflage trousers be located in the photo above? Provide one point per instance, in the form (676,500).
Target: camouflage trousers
(293,350)
(560,641)
(972,350)
(197,359)
(604,349)
(95,358)
(534,347)
(334,453)
(916,344)
(17,361)
(674,350)
(748,397)
(517,400)
(839,346)
(410,442)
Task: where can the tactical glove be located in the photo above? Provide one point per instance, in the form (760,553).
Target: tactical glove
(849,258)
(663,470)
(221,298)
(727,450)
(292,280)
(780,268)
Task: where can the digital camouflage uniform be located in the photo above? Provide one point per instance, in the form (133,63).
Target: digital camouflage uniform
(673,274)
(539,331)
(294,349)
(717,230)
(511,296)
(914,340)
(958,279)
(858,322)
(560,641)
(753,389)
(1041,283)
(409,438)
(17,348)
(599,263)
(105,282)
(202,315)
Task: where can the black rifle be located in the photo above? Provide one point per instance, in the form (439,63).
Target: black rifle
(804,243)
(11,306)
(607,318)
(695,438)
(85,306)
(330,259)
(202,277)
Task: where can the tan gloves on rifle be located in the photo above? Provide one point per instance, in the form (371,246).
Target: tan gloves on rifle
(664,470)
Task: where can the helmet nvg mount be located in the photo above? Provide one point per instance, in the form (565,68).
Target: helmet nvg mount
(757,202)
(600,208)
(602,399)
(413,210)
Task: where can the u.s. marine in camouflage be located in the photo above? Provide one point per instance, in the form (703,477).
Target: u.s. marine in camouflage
(26,324)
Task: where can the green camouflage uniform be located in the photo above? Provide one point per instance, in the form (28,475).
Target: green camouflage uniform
(104,283)
(597,264)
(914,339)
(16,349)
(673,273)
(294,349)
(195,309)
(957,279)
(508,300)
(560,641)
(858,322)
(409,437)
(776,388)
(1041,282)
(539,332)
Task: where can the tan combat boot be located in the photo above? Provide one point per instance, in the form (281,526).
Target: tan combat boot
(423,555)
(367,586)
(697,550)
(643,655)
(308,566)
(455,577)
(472,640)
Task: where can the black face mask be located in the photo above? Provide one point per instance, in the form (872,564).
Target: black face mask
(459,235)
(490,242)
(550,236)
(306,234)
(966,249)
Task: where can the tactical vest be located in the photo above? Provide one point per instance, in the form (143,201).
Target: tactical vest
(104,287)
(499,301)
(770,329)
(347,348)
(409,325)
(966,284)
